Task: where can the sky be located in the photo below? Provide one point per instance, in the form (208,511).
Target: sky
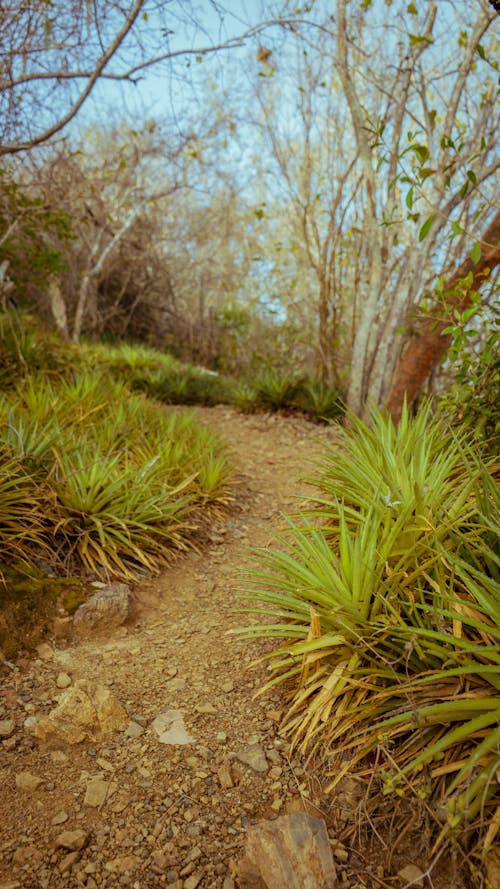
(157,92)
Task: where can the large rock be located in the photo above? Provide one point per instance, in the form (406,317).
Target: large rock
(292,852)
(103,612)
(84,711)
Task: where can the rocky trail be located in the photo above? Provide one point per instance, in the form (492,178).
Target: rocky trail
(126,809)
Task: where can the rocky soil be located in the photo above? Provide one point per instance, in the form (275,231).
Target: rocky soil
(127,809)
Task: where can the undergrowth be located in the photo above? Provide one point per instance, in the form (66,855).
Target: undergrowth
(386,597)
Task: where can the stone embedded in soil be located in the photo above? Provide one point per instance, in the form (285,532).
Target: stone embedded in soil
(170,728)
(96,793)
(63,680)
(133,730)
(44,651)
(254,757)
(7,727)
(103,612)
(291,852)
(73,839)
(122,864)
(225,775)
(27,781)
(68,861)
(84,709)
(411,874)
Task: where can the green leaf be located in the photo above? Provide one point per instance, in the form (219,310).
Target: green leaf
(475,253)
(412,9)
(424,231)
(409,199)
(481,51)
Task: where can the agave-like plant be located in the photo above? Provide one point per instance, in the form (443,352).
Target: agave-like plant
(120,481)
(22,523)
(388,605)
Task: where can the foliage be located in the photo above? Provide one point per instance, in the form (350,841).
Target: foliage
(27,346)
(389,612)
(30,232)
(186,385)
(474,394)
(279,390)
(319,401)
(107,480)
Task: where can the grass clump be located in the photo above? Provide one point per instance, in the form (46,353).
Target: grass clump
(108,481)
(388,605)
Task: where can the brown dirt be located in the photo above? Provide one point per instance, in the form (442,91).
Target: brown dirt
(170,817)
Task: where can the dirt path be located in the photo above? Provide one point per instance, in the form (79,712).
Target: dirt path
(172,815)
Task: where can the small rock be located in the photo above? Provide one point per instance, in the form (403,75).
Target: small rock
(160,862)
(177,684)
(411,874)
(60,818)
(105,764)
(103,612)
(225,775)
(207,709)
(82,709)
(170,728)
(122,864)
(23,855)
(59,756)
(340,852)
(27,781)
(7,727)
(45,652)
(193,881)
(30,724)
(133,730)
(63,680)
(227,686)
(96,793)
(73,839)
(254,757)
(68,861)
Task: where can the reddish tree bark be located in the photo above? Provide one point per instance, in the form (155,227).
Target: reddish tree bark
(428,345)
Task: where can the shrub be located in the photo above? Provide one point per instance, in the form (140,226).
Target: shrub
(109,480)
(389,612)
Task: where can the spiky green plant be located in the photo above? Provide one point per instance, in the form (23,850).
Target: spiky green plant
(390,610)
(276,390)
(123,481)
(21,514)
(319,401)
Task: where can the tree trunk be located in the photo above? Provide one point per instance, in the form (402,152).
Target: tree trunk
(428,346)
(58,307)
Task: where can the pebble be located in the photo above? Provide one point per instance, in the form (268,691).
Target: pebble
(254,757)
(27,781)
(96,792)
(7,727)
(73,839)
(411,874)
(133,730)
(63,680)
